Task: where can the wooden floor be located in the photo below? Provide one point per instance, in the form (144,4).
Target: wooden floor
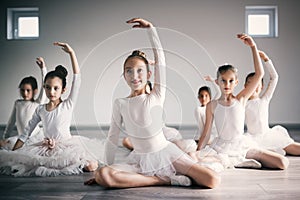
(236,184)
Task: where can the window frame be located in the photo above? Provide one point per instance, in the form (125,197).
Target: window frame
(13,14)
(271,11)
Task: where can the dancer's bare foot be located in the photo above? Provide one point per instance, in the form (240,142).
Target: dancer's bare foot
(4,143)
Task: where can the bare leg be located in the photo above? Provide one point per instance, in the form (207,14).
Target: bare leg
(268,158)
(293,149)
(204,176)
(127,143)
(111,178)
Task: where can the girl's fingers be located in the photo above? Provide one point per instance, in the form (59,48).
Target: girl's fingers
(136,26)
(59,44)
(136,19)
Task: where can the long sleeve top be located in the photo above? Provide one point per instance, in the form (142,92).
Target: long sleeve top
(56,123)
(257,110)
(141,116)
(23,111)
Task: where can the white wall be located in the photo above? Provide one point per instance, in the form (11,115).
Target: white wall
(197,35)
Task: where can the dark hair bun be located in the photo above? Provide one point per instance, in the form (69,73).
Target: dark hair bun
(138,53)
(61,70)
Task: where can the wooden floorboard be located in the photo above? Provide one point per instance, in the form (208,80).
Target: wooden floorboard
(236,184)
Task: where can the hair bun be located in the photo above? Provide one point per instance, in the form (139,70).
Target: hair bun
(138,53)
(61,70)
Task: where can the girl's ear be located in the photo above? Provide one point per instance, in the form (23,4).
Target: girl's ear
(216,81)
(236,81)
(63,90)
(149,74)
(35,91)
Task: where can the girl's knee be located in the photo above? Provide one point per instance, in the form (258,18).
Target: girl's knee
(104,176)
(214,180)
(254,154)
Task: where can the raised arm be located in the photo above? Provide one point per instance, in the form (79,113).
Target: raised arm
(244,95)
(76,70)
(68,49)
(273,76)
(42,96)
(159,56)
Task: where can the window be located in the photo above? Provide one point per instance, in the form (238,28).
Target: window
(22,23)
(261,21)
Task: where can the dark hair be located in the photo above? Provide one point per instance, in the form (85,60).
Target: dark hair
(60,72)
(224,68)
(251,75)
(149,84)
(29,80)
(204,88)
(138,54)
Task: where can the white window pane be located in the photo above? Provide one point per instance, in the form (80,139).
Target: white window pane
(258,25)
(28,26)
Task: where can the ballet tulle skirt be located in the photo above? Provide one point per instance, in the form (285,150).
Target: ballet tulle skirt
(228,152)
(69,156)
(159,163)
(36,136)
(276,137)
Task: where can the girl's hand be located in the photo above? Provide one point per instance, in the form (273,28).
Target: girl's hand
(50,143)
(141,23)
(263,56)
(64,46)
(40,62)
(209,78)
(248,40)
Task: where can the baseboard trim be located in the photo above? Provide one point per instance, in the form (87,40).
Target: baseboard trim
(289,126)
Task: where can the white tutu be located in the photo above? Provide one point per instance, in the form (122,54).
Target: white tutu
(166,162)
(276,137)
(68,156)
(37,135)
(229,153)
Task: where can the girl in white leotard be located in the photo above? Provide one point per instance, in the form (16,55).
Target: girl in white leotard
(257,116)
(59,153)
(24,108)
(154,160)
(231,147)
(204,97)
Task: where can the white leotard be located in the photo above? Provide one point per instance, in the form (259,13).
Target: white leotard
(22,112)
(70,153)
(230,146)
(141,118)
(257,117)
(200,116)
